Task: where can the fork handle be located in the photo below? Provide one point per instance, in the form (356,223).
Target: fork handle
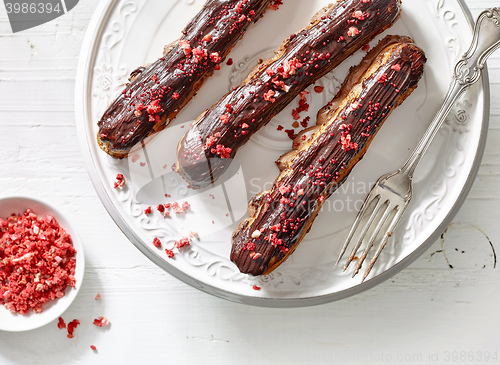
(486,40)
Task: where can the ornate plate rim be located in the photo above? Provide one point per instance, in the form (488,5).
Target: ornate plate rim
(88,55)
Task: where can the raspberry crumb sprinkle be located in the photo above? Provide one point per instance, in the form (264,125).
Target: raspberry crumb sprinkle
(101,322)
(119,181)
(61,324)
(276,4)
(183,242)
(71,327)
(180,208)
(157,242)
(37,262)
(169,253)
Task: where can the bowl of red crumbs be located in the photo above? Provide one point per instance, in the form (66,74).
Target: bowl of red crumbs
(41,263)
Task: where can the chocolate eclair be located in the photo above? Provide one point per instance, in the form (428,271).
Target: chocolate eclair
(156,93)
(333,34)
(325,155)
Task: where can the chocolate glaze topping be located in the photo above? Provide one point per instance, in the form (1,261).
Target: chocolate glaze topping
(336,32)
(281,217)
(156,93)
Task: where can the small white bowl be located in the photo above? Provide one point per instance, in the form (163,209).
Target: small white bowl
(54,309)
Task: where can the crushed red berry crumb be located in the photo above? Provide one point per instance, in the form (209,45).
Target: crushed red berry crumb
(98,296)
(222,151)
(157,242)
(169,253)
(154,107)
(61,324)
(101,322)
(119,181)
(305,121)
(229,61)
(93,347)
(396,67)
(224,118)
(318,89)
(138,110)
(37,262)
(345,138)
(255,287)
(275,4)
(71,327)
(352,32)
(180,208)
(185,46)
(215,58)
(303,106)
(291,133)
(269,96)
(382,79)
(288,68)
(183,242)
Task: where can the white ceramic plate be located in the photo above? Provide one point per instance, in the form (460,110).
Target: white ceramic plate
(51,311)
(127,33)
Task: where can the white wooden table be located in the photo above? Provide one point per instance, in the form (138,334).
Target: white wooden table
(429,313)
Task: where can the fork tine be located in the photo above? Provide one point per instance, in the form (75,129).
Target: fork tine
(355,225)
(385,239)
(374,235)
(374,213)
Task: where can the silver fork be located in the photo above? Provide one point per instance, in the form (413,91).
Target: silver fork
(392,192)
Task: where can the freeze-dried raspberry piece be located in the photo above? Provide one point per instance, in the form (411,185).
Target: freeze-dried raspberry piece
(71,327)
(180,208)
(119,181)
(101,322)
(157,242)
(37,262)
(61,324)
(183,242)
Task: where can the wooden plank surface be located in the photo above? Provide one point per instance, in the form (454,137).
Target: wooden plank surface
(429,313)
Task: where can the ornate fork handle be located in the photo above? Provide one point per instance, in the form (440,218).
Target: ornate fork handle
(468,70)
